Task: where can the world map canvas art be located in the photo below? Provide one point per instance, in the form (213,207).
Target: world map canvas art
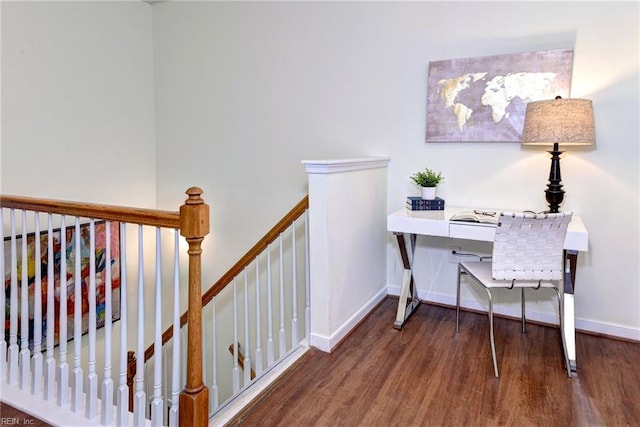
(485,98)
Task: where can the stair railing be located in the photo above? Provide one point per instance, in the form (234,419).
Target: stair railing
(268,252)
(41,300)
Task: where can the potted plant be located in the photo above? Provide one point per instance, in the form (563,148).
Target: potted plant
(428,180)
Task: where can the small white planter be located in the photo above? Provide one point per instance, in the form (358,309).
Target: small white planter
(428,193)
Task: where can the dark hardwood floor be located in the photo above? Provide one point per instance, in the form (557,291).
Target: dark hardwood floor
(427,375)
(10,415)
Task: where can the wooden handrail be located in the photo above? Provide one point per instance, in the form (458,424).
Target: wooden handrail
(239,266)
(153,217)
(262,244)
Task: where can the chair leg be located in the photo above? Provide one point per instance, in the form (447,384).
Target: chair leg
(522,302)
(493,344)
(458,300)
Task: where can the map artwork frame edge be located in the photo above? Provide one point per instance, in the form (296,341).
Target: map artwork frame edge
(483,99)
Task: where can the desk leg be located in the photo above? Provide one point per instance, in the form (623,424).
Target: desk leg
(408,301)
(569,327)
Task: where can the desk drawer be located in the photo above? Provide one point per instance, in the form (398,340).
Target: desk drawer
(482,232)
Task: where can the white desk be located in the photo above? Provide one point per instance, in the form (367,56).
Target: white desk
(436,223)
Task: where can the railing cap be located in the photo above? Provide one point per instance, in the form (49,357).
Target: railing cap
(194,215)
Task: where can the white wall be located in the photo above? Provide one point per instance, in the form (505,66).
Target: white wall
(78,107)
(245,90)
(77,101)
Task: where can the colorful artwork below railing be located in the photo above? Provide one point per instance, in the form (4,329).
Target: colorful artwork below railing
(106,268)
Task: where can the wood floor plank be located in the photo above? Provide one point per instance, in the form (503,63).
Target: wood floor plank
(10,415)
(427,375)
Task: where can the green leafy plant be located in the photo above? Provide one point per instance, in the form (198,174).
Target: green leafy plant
(427,178)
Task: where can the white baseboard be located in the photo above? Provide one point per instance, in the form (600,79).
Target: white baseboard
(326,344)
(586,325)
(608,329)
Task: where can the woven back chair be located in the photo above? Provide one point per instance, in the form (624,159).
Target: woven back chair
(527,253)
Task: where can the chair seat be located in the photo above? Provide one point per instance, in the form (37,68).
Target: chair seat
(482,272)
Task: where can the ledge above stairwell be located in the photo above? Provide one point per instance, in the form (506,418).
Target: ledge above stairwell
(347,244)
(344,165)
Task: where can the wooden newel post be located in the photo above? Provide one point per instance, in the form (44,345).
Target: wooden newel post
(194,225)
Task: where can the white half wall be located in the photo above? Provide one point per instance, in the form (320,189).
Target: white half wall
(347,235)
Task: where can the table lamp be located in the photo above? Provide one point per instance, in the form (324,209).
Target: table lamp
(566,122)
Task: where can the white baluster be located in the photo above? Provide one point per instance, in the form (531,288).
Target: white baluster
(63,367)
(76,385)
(106,412)
(294,289)
(122,398)
(157,405)
(270,348)
(247,350)
(282,337)
(36,360)
(50,363)
(148,387)
(175,369)
(139,399)
(214,368)
(24,310)
(307,304)
(258,361)
(236,368)
(3,343)
(166,396)
(12,359)
(91,405)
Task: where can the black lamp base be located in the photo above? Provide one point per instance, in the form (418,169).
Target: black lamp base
(554,192)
